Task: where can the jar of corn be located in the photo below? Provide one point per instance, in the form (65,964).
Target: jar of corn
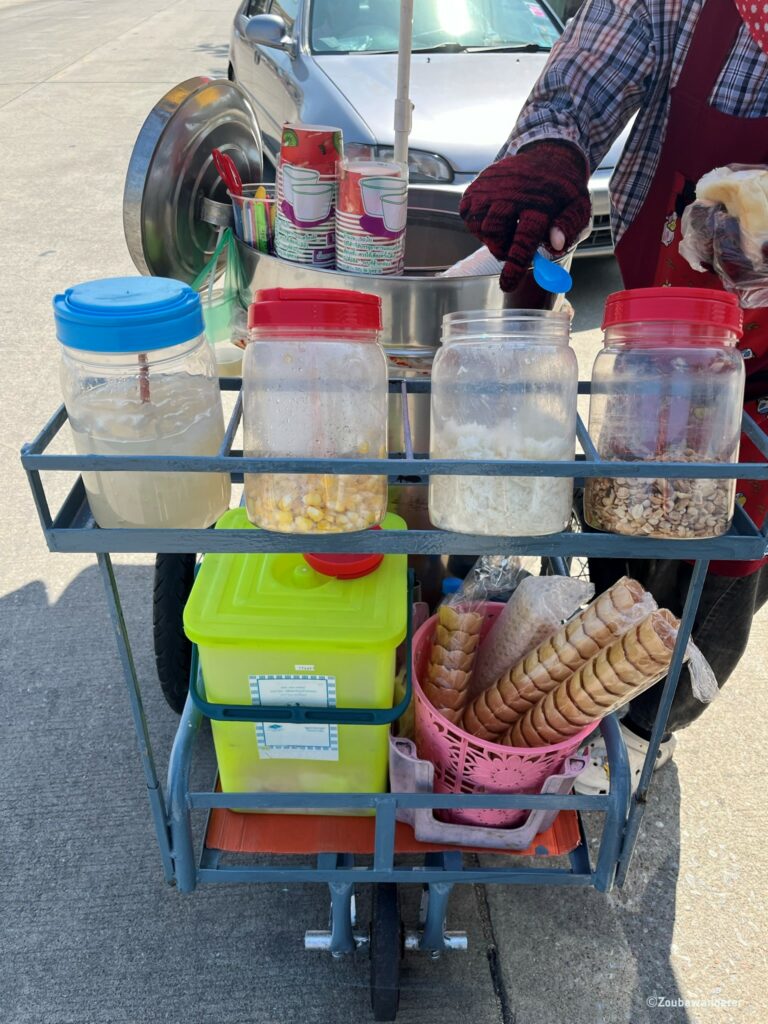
(315,386)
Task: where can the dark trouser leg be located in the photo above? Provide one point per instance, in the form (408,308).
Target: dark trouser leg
(721,629)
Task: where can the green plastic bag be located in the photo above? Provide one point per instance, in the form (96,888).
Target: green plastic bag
(220,304)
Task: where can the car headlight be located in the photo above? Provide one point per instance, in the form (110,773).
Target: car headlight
(422,166)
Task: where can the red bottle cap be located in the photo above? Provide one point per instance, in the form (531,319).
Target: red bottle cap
(315,308)
(345,567)
(708,307)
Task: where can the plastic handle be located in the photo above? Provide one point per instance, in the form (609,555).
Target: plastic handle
(551,276)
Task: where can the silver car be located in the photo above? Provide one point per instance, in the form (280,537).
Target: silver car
(335,62)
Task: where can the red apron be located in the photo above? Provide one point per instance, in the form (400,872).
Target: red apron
(698,139)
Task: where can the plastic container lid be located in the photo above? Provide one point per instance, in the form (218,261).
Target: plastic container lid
(451,585)
(345,567)
(707,307)
(128,314)
(315,308)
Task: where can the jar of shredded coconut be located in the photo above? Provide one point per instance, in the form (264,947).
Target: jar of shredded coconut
(504,387)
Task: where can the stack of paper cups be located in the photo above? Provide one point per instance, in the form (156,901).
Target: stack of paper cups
(371,217)
(307,183)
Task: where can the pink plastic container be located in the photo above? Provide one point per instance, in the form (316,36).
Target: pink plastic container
(465,764)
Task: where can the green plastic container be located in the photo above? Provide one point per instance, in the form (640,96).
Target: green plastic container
(272,630)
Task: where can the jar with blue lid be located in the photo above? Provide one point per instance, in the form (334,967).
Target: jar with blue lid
(139,378)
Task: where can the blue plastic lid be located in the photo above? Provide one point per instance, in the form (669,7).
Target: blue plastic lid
(451,584)
(128,314)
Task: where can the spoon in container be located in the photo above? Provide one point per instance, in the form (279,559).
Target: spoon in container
(228,172)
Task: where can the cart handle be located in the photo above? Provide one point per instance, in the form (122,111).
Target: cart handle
(299,713)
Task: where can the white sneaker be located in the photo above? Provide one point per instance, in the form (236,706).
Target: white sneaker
(595,779)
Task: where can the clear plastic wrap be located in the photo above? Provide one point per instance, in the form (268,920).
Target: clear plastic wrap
(539,605)
(492,713)
(609,680)
(726,230)
(457,633)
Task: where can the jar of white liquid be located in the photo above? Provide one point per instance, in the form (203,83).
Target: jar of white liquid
(139,378)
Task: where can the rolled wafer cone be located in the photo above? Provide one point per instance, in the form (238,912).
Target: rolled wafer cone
(553,662)
(596,689)
(451,659)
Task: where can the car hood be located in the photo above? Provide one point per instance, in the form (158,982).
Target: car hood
(465,104)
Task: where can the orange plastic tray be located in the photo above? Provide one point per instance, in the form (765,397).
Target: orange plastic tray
(234,832)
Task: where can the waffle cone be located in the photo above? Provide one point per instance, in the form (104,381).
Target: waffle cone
(492,713)
(451,659)
(643,654)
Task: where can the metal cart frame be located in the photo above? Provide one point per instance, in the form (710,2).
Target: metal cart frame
(72,529)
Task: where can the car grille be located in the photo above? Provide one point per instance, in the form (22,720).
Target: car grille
(600,239)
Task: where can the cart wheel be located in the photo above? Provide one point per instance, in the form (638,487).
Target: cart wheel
(174,576)
(386,951)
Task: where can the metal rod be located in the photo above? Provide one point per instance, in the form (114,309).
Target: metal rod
(406,422)
(337,801)
(637,809)
(394,466)
(234,423)
(585,441)
(618,804)
(39,443)
(228,875)
(67,537)
(156,800)
(384,836)
(179,768)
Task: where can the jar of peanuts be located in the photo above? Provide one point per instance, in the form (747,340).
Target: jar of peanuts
(315,386)
(668,386)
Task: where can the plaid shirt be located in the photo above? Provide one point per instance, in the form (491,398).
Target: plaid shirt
(621,57)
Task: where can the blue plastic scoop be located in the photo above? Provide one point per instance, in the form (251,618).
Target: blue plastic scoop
(551,276)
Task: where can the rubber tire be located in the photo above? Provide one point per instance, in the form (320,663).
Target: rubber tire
(386,951)
(174,576)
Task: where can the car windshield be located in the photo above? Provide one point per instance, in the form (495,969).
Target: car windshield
(364,26)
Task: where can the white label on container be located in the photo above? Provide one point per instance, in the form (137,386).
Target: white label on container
(308,742)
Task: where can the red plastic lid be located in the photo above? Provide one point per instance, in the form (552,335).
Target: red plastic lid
(308,308)
(706,306)
(345,567)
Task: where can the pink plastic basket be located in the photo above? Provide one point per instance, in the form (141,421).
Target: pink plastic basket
(465,764)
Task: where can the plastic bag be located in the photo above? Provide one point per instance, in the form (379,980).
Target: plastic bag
(613,677)
(491,714)
(221,305)
(457,633)
(539,605)
(726,230)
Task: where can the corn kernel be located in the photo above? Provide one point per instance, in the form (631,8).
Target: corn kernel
(303,524)
(314,513)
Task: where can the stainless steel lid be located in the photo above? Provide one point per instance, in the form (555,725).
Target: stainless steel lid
(174,199)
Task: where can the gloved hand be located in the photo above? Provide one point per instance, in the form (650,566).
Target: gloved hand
(515,204)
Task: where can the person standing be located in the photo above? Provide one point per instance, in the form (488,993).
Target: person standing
(695,72)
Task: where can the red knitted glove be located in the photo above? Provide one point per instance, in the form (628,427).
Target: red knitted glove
(514,204)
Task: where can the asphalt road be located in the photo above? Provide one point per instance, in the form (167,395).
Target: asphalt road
(90,932)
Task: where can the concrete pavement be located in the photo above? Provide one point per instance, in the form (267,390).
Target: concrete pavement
(91,934)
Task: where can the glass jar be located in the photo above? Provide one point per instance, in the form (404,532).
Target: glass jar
(139,378)
(668,386)
(315,386)
(504,386)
